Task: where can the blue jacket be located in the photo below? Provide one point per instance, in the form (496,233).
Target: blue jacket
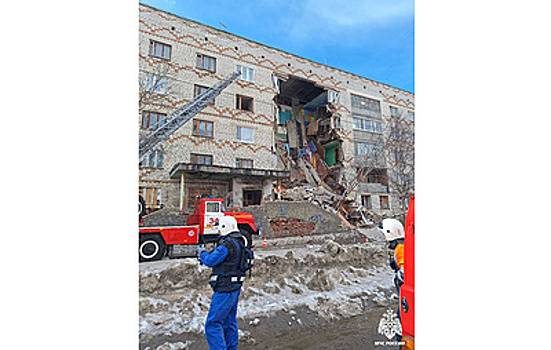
(225,260)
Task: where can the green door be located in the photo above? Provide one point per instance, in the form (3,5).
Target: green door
(331,154)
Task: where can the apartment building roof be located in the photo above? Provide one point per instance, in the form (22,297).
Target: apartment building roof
(274,48)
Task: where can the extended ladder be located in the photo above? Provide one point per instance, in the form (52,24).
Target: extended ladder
(182,115)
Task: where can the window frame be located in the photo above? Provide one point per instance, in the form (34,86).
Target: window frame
(152,44)
(153,160)
(146,115)
(239,163)
(196,126)
(369,201)
(197,87)
(239,134)
(200,62)
(241,68)
(381,202)
(375,125)
(201,156)
(239,103)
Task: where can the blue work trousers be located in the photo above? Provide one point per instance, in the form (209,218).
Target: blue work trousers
(221,325)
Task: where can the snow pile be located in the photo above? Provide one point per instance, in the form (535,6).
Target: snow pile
(334,282)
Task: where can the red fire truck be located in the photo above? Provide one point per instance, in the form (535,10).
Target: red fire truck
(407,291)
(202,227)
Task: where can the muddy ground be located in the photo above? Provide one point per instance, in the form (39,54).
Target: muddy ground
(323,292)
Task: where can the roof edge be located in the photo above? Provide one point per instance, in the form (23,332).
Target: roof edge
(272,47)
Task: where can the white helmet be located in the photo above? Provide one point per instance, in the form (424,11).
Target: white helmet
(227,225)
(392,229)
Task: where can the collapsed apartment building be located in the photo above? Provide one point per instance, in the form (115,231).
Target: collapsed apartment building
(288,129)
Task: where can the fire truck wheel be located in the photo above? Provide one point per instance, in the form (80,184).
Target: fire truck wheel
(152,247)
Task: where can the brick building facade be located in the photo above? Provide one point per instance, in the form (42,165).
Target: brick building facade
(237,148)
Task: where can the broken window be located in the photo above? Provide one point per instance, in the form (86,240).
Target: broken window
(246,73)
(384,203)
(378,176)
(203,128)
(152,197)
(367,104)
(153,160)
(152,120)
(245,134)
(371,125)
(202,159)
(366,201)
(206,62)
(244,103)
(159,50)
(244,163)
(199,89)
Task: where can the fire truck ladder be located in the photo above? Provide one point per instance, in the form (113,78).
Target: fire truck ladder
(182,115)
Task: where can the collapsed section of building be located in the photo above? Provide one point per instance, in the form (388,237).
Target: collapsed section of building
(287,129)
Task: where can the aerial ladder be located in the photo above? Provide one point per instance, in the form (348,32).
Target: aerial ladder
(182,115)
(177,119)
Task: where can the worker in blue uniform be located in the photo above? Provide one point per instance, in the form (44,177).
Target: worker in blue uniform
(229,262)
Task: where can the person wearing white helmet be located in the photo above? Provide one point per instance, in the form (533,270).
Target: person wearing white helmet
(229,262)
(394,233)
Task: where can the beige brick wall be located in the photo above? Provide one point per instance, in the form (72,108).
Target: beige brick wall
(188,38)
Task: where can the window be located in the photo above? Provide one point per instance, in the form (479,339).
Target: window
(378,176)
(365,103)
(160,50)
(156,83)
(245,134)
(199,89)
(410,116)
(371,125)
(213,207)
(152,120)
(246,73)
(203,128)
(153,160)
(152,197)
(366,201)
(393,111)
(244,103)
(203,159)
(252,197)
(365,148)
(206,62)
(384,202)
(244,163)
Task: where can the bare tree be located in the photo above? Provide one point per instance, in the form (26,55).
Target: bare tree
(370,158)
(399,150)
(153,86)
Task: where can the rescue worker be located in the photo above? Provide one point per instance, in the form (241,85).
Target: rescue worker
(228,274)
(394,235)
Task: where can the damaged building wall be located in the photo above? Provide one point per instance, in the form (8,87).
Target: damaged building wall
(283,218)
(187,39)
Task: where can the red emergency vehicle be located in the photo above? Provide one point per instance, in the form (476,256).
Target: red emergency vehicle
(202,227)
(407,291)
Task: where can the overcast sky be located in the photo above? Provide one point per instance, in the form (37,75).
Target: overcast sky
(372,38)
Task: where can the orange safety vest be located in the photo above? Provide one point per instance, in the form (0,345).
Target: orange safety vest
(399,255)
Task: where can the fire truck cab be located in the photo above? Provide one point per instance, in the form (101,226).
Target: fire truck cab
(201,227)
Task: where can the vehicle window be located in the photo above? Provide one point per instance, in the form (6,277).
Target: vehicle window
(213,207)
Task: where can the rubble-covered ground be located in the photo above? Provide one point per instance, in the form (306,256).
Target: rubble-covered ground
(317,292)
